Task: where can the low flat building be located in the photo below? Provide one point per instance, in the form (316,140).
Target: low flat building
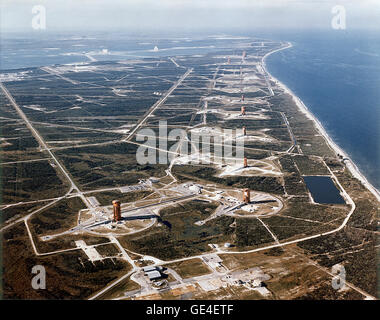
(152,268)
(149,268)
(263,291)
(154,275)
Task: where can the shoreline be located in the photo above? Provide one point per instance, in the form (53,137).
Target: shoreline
(351,166)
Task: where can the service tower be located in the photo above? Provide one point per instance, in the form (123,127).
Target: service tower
(116,210)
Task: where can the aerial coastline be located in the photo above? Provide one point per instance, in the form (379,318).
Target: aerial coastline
(203,223)
(351,166)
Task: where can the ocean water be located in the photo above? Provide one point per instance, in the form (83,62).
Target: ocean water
(337,76)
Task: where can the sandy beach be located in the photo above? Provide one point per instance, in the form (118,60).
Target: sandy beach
(349,163)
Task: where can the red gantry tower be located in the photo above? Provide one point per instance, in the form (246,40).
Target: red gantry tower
(246,196)
(116,210)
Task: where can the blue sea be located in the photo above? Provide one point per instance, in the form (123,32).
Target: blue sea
(335,73)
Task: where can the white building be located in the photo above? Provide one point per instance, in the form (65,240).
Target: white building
(195,189)
(153,275)
(149,268)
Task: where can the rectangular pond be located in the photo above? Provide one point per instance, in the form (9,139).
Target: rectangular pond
(323,190)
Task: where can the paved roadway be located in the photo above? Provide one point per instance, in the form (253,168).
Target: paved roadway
(158,104)
(43,145)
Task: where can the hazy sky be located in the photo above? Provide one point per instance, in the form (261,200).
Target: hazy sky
(187,15)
